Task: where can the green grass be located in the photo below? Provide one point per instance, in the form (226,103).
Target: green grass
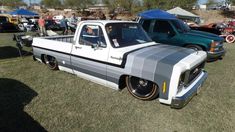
(34,98)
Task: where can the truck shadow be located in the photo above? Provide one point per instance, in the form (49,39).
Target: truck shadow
(12,52)
(14,95)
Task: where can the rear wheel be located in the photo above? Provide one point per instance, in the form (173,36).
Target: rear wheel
(194,47)
(141,88)
(51,62)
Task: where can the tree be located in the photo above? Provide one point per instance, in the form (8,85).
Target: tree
(228,2)
(12,3)
(51,3)
(168,4)
(211,2)
(82,4)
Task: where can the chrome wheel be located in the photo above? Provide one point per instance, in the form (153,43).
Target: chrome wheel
(51,62)
(141,88)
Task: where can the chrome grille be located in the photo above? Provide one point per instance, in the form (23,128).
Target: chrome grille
(189,76)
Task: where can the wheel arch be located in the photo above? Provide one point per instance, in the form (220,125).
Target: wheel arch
(200,45)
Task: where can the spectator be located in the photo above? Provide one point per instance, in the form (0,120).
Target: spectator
(73,22)
(64,25)
(41,23)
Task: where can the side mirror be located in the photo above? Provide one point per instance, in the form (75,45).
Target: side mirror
(94,46)
(171,34)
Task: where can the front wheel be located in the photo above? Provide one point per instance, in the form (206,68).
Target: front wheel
(194,47)
(141,88)
(51,62)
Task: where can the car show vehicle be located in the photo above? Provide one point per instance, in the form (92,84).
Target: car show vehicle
(6,25)
(165,28)
(120,54)
(222,29)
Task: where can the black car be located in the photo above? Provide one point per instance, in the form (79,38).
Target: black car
(6,26)
(52,25)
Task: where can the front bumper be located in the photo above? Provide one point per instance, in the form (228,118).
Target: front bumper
(180,100)
(216,55)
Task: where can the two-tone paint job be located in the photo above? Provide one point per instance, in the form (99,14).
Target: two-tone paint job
(108,65)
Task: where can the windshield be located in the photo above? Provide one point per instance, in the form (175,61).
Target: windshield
(181,26)
(3,19)
(126,34)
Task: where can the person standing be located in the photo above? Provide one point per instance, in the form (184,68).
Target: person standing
(73,22)
(64,25)
(41,23)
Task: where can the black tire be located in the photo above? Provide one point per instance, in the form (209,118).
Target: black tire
(51,62)
(141,88)
(194,47)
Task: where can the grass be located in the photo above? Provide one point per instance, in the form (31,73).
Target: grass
(34,98)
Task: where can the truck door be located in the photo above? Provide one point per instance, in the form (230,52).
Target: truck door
(90,53)
(163,32)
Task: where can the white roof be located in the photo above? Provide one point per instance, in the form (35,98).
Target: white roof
(181,12)
(106,21)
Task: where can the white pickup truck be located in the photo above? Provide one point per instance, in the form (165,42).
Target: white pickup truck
(119,54)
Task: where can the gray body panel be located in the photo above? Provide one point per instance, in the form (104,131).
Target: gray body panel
(154,63)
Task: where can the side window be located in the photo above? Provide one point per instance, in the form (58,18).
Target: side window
(146,25)
(92,35)
(162,27)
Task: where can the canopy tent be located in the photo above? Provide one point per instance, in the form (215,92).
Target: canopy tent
(156,14)
(183,14)
(23,12)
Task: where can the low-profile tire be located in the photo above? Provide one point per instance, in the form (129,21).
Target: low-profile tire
(141,88)
(230,38)
(194,47)
(51,62)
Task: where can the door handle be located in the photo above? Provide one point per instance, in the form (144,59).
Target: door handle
(78,47)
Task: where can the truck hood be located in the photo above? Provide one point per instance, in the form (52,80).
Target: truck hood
(158,62)
(205,35)
(165,54)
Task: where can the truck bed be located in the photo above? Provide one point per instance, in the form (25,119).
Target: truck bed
(67,38)
(54,43)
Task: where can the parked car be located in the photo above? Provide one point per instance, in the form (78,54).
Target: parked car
(118,54)
(52,25)
(222,29)
(175,32)
(6,26)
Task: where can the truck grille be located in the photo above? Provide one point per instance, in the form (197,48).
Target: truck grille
(189,76)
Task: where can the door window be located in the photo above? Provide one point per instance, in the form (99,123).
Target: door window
(162,27)
(92,35)
(146,25)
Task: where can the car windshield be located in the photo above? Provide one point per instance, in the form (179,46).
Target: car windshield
(3,19)
(126,34)
(180,26)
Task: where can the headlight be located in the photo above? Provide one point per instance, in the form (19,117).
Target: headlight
(213,46)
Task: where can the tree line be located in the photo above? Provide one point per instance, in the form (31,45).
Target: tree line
(129,5)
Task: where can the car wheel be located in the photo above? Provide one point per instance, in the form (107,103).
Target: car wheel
(141,88)
(194,47)
(230,38)
(51,62)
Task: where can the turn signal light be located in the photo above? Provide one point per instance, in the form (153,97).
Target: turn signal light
(164,87)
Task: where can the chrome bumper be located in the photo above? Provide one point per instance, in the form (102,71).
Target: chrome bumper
(216,55)
(179,101)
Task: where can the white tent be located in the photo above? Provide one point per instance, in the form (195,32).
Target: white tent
(183,14)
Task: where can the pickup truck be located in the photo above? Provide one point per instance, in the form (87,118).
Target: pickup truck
(119,54)
(165,28)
